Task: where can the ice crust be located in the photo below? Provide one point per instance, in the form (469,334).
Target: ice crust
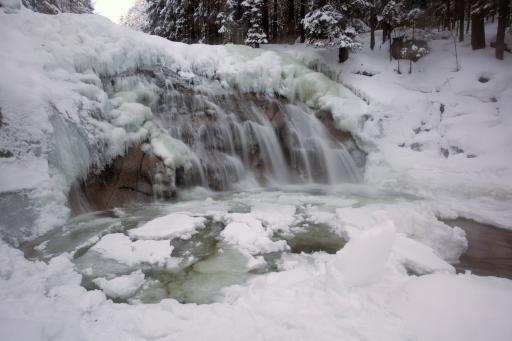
(171,226)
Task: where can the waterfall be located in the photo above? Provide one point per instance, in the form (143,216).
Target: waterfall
(237,136)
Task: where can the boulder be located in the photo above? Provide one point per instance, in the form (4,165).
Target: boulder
(136,177)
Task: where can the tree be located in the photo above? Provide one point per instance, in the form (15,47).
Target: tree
(327,27)
(59,6)
(477,25)
(252,13)
(412,17)
(136,16)
(460,15)
(503,15)
(392,16)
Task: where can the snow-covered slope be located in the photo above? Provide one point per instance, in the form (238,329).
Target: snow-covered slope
(437,132)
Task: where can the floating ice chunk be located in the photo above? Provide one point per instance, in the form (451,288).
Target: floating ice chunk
(247,233)
(363,258)
(121,287)
(168,227)
(277,217)
(120,248)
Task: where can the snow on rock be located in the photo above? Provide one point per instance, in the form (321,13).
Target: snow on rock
(415,219)
(168,227)
(120,248)
(121,287)
(419,258)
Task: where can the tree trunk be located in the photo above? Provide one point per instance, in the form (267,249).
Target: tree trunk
(384,33)
(460,13)
(503,14)
(291,21)
(447,22)
(477,31)
(274,21)
(302,15)
(373,24)
(342,54)
(264,17)
(468,15)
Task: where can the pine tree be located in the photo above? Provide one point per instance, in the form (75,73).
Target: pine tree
(252,13)
(59,6)
(328,27)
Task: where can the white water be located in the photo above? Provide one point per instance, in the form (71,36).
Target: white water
(236,137)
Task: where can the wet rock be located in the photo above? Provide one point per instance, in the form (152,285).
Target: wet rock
(483,79)
(136,177)
(456,150)
(416,146)
(364,73)
(445,152)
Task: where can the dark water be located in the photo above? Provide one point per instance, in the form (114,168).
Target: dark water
(490,249)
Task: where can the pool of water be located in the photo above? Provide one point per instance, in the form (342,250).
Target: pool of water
(300,220)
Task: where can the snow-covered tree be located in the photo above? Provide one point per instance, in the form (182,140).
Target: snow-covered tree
(252,13)
(226,21)
(59,6)
(393,14)
(136,16)
(327,27)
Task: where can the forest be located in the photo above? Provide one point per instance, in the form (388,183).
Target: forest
(318,23)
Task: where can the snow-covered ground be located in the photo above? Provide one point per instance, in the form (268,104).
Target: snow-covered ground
(438,144)
(437,132)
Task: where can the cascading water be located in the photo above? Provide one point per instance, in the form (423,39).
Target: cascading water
(242,137)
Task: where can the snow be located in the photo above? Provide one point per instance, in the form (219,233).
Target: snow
(391,281)
(443,307)
(168,227)
(247,234)
(120,248)
(355,265)
(122,286)
(435,133)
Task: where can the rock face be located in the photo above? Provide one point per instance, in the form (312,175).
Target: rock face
(231,136)
(136,177)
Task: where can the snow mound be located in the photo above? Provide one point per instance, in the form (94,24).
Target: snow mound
(363,258)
